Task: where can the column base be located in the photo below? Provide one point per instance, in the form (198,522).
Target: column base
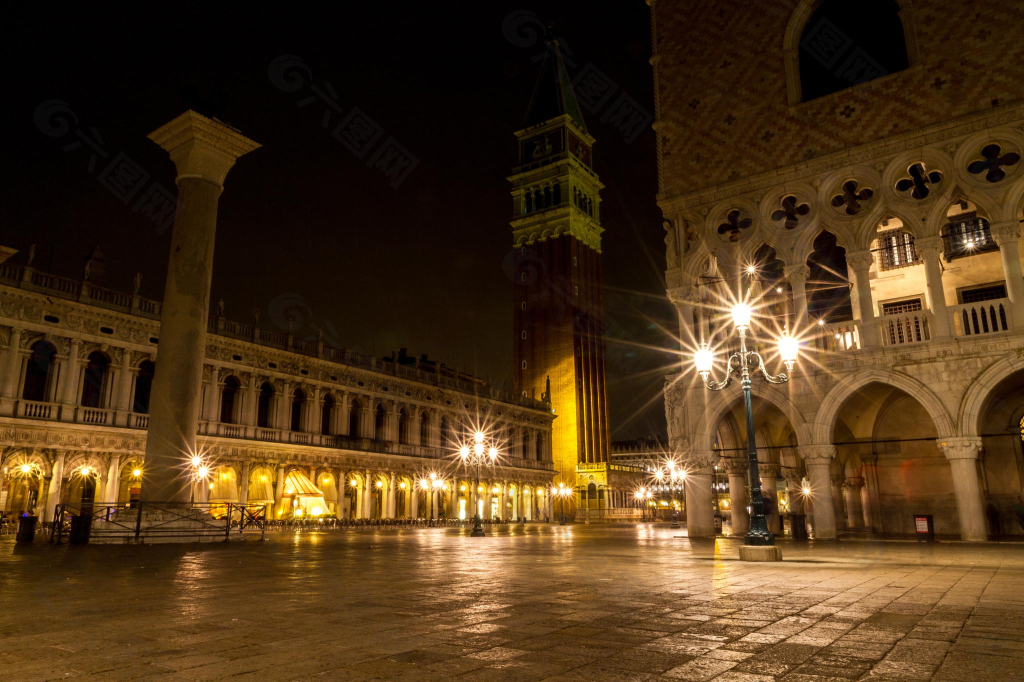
(760,553)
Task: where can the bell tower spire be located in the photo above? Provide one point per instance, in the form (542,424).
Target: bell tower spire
(556,232)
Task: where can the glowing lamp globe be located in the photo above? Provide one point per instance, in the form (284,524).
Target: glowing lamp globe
(789,348)
(704,359)
(741,315)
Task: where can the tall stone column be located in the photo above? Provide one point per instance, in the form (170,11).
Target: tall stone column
(962,454)
(243,484)
(203,151)
(838,480)
(797,276)
(367,511)
(700,511)
(12,371)
(342,484)
(113,479)
(279,492)
(739,496)
(817,461)
(860,263)
(1007,237)
(769,489)
(930,248)
(391,497)
(54,490)
(854,510)
(124,389)
(795,491)
(69,396)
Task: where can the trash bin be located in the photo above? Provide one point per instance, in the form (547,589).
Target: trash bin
(26,528)
(798,526)
(80,527)
(924,527)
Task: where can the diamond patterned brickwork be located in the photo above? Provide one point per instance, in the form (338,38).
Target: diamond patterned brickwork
(742,123)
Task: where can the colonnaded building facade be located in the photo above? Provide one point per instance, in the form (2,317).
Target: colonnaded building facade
(855,168)
(307,428)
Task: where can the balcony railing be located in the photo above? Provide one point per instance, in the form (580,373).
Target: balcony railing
(30,409)
(92,415)
(837,337)
(983,317)
(138,421)
(905,328)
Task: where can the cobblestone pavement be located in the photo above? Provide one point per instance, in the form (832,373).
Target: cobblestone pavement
(547,602)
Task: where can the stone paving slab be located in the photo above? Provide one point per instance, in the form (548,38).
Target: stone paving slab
(630,603)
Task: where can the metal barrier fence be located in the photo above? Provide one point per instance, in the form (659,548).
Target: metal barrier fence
(377,524)
(155,521)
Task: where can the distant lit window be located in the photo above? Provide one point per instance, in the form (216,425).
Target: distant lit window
(896,250)
(965,235)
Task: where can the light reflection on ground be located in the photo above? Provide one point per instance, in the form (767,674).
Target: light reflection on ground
(585,601)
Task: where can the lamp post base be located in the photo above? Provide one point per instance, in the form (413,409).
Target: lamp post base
(478,528)
(760,553)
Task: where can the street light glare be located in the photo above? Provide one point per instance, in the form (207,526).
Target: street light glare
(479,436)
(741,315)
(464,451)
(196,461)
(704,359)
(478,449)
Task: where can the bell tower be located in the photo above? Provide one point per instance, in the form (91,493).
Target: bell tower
(556,229)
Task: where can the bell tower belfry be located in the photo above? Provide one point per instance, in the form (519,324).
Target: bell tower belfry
(556,228)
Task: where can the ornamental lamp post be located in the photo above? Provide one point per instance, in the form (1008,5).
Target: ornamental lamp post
(483,452)
(561,492)
(759,544)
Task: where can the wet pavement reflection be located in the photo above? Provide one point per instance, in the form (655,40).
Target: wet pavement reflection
(581,602)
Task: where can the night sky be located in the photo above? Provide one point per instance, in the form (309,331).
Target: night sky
(308,227)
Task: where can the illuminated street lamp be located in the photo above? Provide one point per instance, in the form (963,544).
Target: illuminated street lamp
(743,363)
(676,476)
(483,452)
(561,492)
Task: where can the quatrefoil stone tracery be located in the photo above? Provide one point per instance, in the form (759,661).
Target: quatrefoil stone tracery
(992,163)
(919,181)
(734,225)
(853,196)
(790,212)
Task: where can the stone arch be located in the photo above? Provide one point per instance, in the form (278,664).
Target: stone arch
(723,402)
(828,411)
(979,390)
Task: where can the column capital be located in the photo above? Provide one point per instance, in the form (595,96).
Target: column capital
(683,295)
(202,147)
(960,447)
(860,261)
(928,247)
(734,466)
(838,479)
(700,462)
(796,274)
(1007,233)
(854,483)
(816,454)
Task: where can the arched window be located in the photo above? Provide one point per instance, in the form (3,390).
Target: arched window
(228,398)
(143,387)
(446,433)
(95,379)
(325,414)
(38,371)
(425,428)
(380,420)
(403,427)
(557,194)
(538,200)
(540,446)
(828,284)
(353,418)
(264,405)
(846,43)
(895,247)
(527,202)
(524,445)
(298,403)
(966,234)
(547,196)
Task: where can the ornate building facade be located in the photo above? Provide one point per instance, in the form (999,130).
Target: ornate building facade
(309,429)
(855,172)
(559,327)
